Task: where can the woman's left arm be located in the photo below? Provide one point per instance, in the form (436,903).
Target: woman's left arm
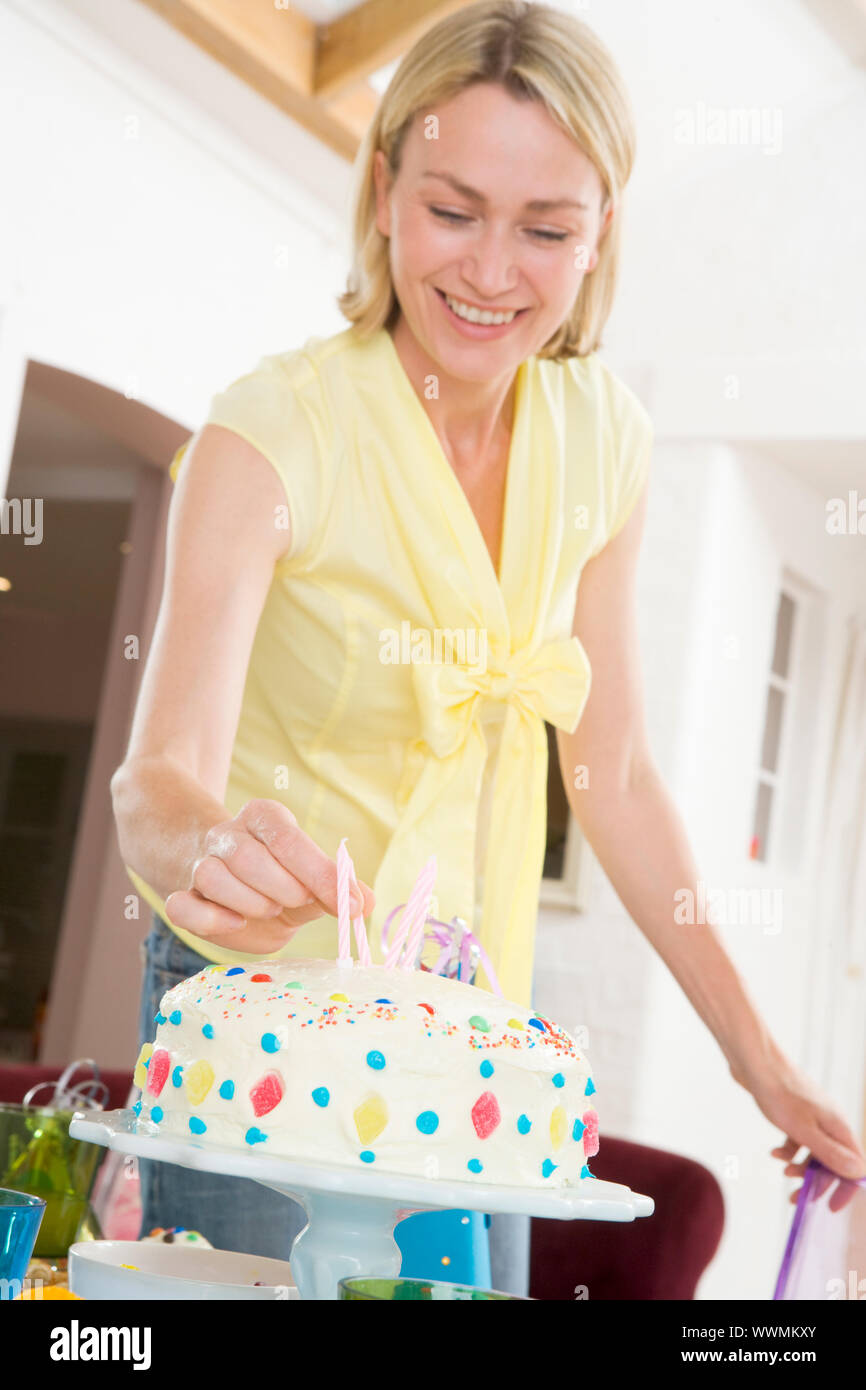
(629,818)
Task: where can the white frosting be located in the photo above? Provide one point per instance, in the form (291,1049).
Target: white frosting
(407,1083)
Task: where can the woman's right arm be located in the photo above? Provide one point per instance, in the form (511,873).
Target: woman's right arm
(246,881)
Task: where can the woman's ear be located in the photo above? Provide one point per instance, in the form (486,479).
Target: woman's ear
(382,181)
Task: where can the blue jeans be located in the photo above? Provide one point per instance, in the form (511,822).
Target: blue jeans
(244,1215)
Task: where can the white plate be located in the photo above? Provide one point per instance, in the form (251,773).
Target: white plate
(172,1272)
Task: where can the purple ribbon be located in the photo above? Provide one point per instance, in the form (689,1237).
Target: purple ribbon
(445,936)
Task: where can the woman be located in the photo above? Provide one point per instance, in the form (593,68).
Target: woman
(451,465)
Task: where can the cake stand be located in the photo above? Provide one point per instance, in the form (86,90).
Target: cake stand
(351,1213)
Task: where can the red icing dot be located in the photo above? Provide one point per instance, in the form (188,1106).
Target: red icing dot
(485,1114)
(261,979)
(425,1006)
(267,1093)
(158,1070)
(590,1134)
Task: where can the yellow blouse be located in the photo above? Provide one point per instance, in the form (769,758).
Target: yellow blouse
(389,654)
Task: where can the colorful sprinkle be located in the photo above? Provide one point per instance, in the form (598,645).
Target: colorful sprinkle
(475,1165)
(486,1069)
(558,1079)
(547,1168)
(476,1021)
(196,1125)
(427,1122)
(255,1136)
(199,1078)
(270,1042)
(367,1156)
(524,1124)
(267,1093)
(485,1114)
(558,1127)
(371,1117)
(175,1016)
(157,1114)
(321,1096)
(157,1071)
(227,1090)
(375,1060)
(177,1076)
(235,970)
(590,1089)
(208,1030)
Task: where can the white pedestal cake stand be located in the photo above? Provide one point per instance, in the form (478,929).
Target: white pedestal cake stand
(351,1213)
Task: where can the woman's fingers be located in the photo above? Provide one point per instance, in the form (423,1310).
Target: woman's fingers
(271,887)
(276,827)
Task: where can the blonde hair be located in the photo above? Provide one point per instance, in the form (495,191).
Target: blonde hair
(534,52)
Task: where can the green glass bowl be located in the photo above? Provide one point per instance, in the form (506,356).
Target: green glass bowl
(419,1290)
(38,1156)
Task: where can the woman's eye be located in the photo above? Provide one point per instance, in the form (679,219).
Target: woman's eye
(548,236)
(449,216)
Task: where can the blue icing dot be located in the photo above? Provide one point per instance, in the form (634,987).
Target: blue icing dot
(208,1030)
(584,1172)
(536,1023)
(427,1122)
(321,1095)
(175,1017)
(558,1079)
(270,1042)
(236,970)
(255,1136)
(547,1168)
(590,1089)
(577,1129)
(196,1125)
(159,1018)
(367,1156)
(384,1001)
(156,1114)
(147,1064)
(486,1068)
(375,1060)
(137,1108)
(524,1124)
(227,1090)
(475,1165)
(177,1076)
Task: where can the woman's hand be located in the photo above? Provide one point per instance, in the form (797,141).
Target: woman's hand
(259,879)
(808,1119)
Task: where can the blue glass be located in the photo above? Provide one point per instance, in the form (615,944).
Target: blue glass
(20,1217)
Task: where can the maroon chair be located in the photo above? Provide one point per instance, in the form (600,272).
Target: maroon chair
(655,1257)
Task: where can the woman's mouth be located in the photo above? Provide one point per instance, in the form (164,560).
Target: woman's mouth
(478,323)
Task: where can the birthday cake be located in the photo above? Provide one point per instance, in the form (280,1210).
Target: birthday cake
(406,1071)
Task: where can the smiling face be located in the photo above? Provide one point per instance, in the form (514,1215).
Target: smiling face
(492,226)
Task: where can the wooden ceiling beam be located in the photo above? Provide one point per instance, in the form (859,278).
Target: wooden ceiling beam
(368,37)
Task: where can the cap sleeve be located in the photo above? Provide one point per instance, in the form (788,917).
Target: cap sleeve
(269,408)
(632,439)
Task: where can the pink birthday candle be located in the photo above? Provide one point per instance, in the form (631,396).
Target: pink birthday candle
(364,957)
(344,868)
(417,909)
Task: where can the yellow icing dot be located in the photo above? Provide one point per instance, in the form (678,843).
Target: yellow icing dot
(129,1267)
(515,1023)
(371,1118)
(342,998)
(139,1076)
(558,1127)
(198,1080)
